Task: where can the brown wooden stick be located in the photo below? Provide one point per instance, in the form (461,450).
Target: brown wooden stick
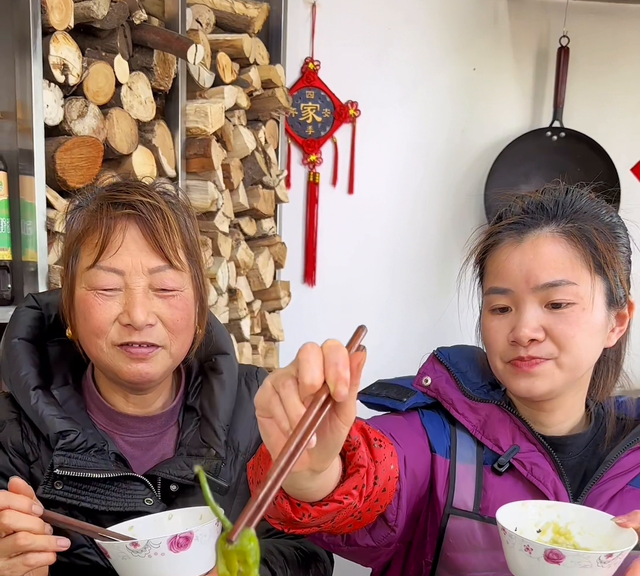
(84,528)
(292,450)
(167,41)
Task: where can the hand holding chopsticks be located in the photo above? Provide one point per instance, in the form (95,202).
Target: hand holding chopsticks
(309,404)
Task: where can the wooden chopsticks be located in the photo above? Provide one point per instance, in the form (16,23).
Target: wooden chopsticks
(292,450)
(84,528)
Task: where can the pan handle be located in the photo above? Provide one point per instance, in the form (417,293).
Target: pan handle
(562,72)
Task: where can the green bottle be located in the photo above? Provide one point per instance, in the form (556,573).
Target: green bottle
(6,290)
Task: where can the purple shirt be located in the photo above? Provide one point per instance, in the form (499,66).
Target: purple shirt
(143,440)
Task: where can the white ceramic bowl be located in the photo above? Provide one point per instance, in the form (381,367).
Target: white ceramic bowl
(173,543)
(603,544)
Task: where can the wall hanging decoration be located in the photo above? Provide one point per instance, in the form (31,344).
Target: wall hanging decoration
(316,114)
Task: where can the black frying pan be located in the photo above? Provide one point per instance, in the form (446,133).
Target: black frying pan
(555,153)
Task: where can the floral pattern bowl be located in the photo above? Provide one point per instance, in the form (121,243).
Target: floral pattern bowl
(173,543)
(530,529)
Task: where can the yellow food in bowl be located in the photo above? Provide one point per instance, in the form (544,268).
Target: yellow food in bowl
(553,534)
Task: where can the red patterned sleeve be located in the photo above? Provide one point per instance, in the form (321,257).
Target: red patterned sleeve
(369,484)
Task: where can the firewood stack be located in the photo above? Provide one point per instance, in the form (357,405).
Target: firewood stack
(108,67)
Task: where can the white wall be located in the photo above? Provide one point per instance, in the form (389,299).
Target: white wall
(443,85)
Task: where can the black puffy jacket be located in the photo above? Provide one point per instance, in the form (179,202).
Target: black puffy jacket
(48,439)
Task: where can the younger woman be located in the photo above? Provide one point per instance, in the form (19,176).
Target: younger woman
(531,416)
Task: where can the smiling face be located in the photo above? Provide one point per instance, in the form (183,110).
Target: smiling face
(545,320)
(135,315)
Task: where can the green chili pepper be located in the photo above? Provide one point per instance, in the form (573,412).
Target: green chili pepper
(241,558)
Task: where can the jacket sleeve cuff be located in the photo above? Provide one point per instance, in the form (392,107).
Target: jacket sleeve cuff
(369,484)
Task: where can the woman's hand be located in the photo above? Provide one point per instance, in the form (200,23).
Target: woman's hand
(283,399)
(27,547)
(631,520)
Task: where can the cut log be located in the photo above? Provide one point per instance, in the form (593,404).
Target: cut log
(57,201)
(271,356)
(256,170)
(53,103)
(249,80)
(272,76)
(221,309)
(260,53)
(245,353)
(116,16)
(72,161)
(200,38)
(282,194)
(225,134)
(57,14)
(136,97)
(137,11)
(200,78)
(218,273)
(237,117)
(203,118)
(116,41)
(242,144)
(118,63)
(55,221)
(122,133)
(160,67)
(54,278)
(239,47)
(238,308)
(257,343)
(247,226)
(275,245)
(204,154)
(266,227)
(241,255)
(62,59)
(141,165)
(206,247)
(223,66)
(99,84)
(167,41)
(227,205)
(262,273)
(272,130)
(222,244)
(87,10)
(213,296)
(233,173)
(241,329)
(107,176)
(242,284)
(155,8)
(204,17)
(270,104)
(83,118)
(259,131)
(275,298)
(158,138)
(233,275)
(262,202)
(56,243)
(203,195)
(231,96)
(272,326)
(238,15)
(239,199)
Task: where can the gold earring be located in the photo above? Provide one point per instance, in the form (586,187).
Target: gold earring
(69,333)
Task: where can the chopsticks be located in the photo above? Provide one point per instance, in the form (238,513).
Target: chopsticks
(84,528)
(292,450)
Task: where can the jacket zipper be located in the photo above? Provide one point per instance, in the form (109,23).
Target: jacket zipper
(540,439)
(105,475)
(605,468)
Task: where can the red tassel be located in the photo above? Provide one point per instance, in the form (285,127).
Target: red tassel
(336,161)
(352,166)
(287,180)
(311,246)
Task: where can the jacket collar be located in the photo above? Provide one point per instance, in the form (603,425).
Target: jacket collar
(43,370)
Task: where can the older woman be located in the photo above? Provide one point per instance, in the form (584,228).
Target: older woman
(118,385)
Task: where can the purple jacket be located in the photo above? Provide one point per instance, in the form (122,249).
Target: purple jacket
(451,411)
